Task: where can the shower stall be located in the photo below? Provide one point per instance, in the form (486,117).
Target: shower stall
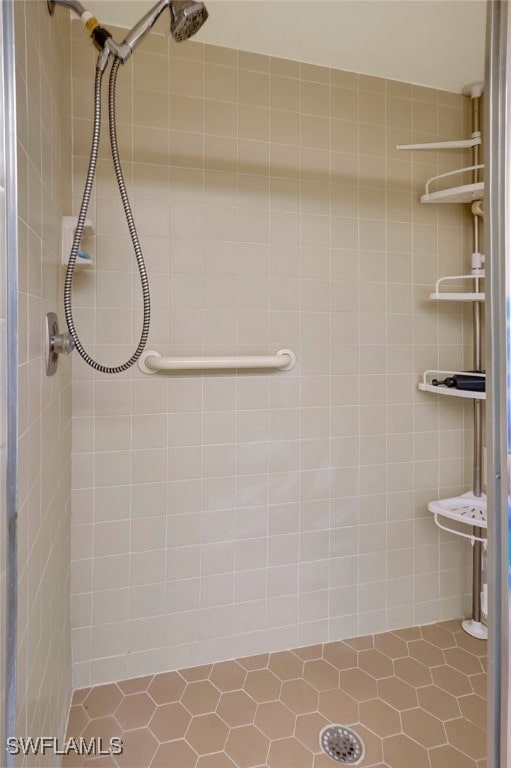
(218,458)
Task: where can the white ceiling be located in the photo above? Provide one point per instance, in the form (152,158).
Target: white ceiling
(437,43)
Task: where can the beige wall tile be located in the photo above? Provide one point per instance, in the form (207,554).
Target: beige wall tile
(43,85)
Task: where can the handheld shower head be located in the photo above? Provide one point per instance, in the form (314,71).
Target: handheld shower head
(187,18)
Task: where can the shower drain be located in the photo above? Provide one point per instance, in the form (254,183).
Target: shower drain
(342,744)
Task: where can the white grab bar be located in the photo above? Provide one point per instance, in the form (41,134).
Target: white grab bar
(152,362)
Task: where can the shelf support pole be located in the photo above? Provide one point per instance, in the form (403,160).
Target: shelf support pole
(477,551)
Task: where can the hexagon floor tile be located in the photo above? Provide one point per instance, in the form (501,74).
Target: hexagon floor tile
(416,696)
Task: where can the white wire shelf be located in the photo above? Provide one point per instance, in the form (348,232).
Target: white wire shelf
(152,362)
(467,509)
(440,295)
(426,386)
(464,193)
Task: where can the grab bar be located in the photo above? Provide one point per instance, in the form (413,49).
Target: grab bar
(152,362)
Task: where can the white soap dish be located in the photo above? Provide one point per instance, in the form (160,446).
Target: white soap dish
(467,508)
(83,258)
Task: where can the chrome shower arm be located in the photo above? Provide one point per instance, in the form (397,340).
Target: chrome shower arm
(146,23)
(102,37)
(73,5)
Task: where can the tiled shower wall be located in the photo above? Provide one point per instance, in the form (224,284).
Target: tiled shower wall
(223,515)
(43,86)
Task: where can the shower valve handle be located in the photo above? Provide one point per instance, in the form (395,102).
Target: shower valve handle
(62,343)
(56,343)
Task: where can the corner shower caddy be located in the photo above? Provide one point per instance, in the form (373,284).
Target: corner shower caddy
(468,509)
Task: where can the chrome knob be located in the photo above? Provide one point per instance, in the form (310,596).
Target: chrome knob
(62,344)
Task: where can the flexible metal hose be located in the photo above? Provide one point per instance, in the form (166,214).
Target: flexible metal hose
(68,283)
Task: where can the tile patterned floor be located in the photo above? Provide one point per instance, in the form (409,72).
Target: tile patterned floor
(416,696)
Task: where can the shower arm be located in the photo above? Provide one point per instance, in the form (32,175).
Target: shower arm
(102,37)
(73,5)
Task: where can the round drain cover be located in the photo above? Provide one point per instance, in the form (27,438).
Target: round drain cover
(342,744)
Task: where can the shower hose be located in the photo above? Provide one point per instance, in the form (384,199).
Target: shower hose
(68,284)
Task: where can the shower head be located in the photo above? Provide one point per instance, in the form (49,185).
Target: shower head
(187,18)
